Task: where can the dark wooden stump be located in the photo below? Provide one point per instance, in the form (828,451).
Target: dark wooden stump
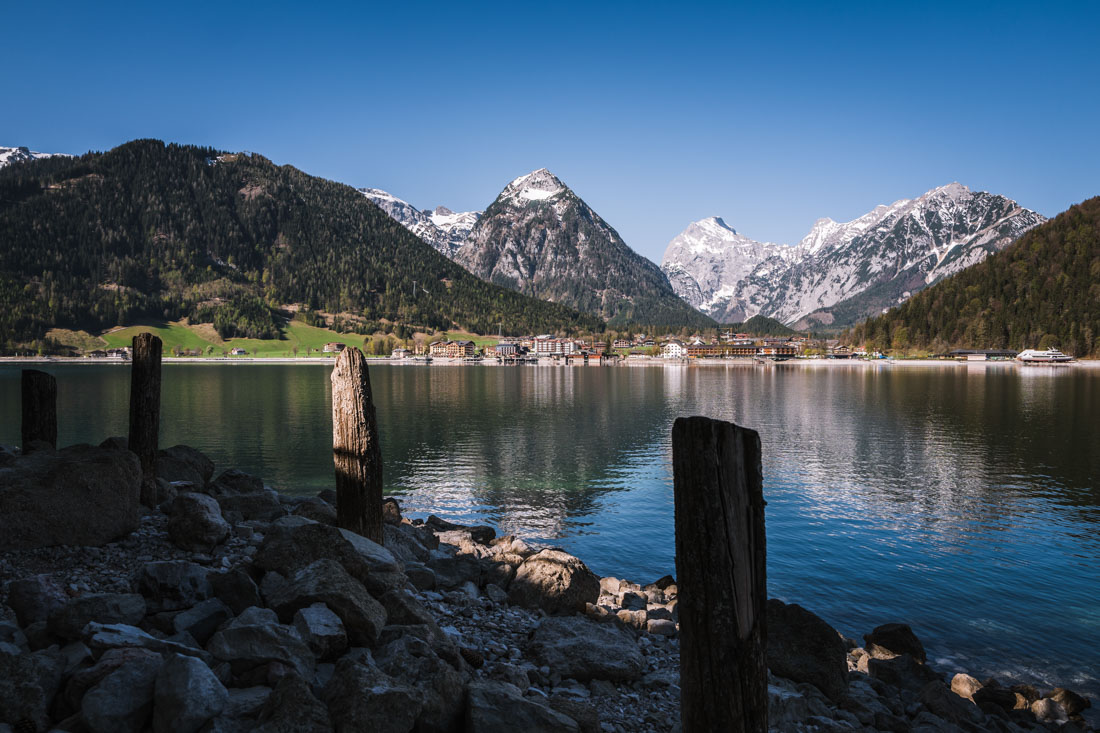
(39,397)
(720,572)
(145,410)
(356,450)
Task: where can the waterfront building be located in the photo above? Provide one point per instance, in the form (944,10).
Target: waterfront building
(674,349)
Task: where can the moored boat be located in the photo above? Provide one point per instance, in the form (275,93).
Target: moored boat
(1050,356)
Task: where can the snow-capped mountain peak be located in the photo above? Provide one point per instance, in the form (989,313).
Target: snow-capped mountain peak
(15,155)
(843,270)
(535,186)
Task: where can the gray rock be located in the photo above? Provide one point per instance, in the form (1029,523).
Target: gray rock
(264,505)
(248,646)
(318,510)
(803,648)
(69,620)
(203,620)
(405,545)
(172,585)
(902,671)
(322,630)
(412,662)
(632,601)
(28,684)
(33,599)
(292,543)
(186,694)
(292,708)
(123,701)
(255,616)
(101,637)
(235,589)
(363,698)
(184,463)
(944,704)
(78,495)
(584,650)
(891,640)
(195,523)
(421,577)
(86,678)
(234,482)
(452,571)
(554,581)
(325,581)
(246,702)
(495,707)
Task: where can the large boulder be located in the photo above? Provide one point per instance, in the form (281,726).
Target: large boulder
(891,640)
(1073,703)
(496,707)
(322,630)
(184,463)
(584,649)
(249,643)
(123,701)
(195,522)
(69,620)
(364,698)
(28,683)
(292,543)
(554,581)
(101,637)
(293,708)
(186,694)
(325,581)
(172,585)
(263,505)
(412,662)
(33,599)
(235,588)
(803,648)
(902,671)
(80,495)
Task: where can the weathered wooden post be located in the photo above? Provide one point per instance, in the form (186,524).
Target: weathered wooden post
(39,395)
(356,450)
(145,410)
(720,573)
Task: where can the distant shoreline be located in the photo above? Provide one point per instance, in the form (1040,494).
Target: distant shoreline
(635,362)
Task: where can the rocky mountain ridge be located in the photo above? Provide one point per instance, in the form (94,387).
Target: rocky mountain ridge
(842,271)
(441,228)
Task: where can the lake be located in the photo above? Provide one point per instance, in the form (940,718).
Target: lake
(963,500)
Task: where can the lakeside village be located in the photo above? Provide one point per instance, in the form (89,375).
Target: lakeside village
(641,346)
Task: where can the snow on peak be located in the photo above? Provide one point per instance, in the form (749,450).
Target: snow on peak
(14,155)
(535,186)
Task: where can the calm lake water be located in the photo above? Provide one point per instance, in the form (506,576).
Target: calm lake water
(964,500)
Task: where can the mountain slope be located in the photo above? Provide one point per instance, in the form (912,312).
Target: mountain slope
(1042,290)
(442,228)
(540,238)
(842,272)
(149,230)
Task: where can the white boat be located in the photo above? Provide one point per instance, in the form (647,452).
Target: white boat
(1050,356)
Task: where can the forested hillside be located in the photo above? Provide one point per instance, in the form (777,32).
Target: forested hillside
(155,231)
(1043,290)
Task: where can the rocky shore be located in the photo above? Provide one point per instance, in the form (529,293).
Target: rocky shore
(230,607)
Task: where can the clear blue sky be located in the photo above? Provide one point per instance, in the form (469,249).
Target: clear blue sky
(656,114)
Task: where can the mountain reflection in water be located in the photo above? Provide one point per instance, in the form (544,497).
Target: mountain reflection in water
(964,500)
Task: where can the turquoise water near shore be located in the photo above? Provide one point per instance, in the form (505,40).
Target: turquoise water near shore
(962,500)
